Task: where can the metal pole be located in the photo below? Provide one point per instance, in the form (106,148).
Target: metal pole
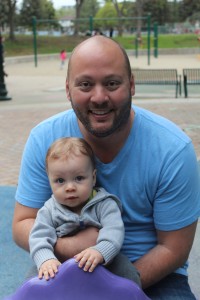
(136,45)
(34,22)
(155,39)
(3,90)
(91,24)
(149,38)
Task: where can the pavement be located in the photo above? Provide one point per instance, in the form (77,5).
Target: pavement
(38,93)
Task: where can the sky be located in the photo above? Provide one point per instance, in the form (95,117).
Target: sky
(58,3)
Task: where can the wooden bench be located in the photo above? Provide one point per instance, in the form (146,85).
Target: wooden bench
(158,77)
(190,77)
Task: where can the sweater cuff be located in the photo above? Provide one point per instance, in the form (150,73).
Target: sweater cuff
(107,250)
(43,255)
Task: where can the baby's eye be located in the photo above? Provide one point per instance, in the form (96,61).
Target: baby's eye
(79,178)
(60,180)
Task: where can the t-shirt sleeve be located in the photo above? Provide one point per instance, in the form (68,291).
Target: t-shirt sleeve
(33,186)
(177,201)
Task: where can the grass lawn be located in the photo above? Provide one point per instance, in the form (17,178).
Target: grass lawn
(23,45)
(164,41)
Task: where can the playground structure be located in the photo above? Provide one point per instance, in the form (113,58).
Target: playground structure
(90,25)
(71,282)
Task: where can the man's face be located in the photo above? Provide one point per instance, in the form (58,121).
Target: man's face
(100,89)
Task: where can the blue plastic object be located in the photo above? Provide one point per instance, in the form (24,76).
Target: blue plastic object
(72,283)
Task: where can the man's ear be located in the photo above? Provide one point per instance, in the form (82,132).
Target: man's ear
(67,90)
(132,84)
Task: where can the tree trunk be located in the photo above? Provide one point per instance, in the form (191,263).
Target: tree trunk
(120,15)
(139,7)
(11,13)
(79,4)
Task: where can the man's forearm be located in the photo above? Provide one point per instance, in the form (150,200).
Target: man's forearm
(67,247)
(170,254)
(21,232)
(157,264)
(23,220)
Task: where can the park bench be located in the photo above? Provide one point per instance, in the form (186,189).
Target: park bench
(158,77)
(190,77)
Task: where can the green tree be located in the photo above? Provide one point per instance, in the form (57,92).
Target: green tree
(140,13)
(7,16)
(49,10)
(195,17)
(3,13)
(89,8)
(120,10)
(188,8)
(79,4)
(108,12)
(65,12)
(41,9)
(174,11)
(159,10)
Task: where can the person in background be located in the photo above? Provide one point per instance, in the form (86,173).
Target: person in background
(63,57)
(142,158)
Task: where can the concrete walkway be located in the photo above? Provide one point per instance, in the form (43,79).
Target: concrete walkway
(38,93)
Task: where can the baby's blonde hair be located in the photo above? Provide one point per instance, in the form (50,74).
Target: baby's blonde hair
(64,147)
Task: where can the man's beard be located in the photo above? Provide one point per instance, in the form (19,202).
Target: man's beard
(119,121)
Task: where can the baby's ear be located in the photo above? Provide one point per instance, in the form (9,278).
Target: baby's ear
(94,176)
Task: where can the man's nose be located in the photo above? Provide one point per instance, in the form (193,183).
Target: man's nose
(100,95)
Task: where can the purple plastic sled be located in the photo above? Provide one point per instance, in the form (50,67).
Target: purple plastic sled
(72,283)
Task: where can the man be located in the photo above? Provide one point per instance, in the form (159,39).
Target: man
(144,159)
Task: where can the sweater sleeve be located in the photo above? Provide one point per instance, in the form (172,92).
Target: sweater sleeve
(111,235)
(42,237)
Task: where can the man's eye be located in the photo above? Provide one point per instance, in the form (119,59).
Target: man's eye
(85,85)
(79,178)
(60,180)
(113,84)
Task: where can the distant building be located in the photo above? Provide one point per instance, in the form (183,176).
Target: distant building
(67,25)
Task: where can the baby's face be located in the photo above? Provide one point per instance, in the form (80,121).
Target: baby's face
(72,180)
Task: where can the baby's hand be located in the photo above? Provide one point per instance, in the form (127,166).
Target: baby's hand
(88,259)
(48,269)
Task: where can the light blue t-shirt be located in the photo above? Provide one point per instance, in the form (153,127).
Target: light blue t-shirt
(155,175)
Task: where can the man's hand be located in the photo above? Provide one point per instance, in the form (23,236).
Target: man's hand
(48,269)
(89,259)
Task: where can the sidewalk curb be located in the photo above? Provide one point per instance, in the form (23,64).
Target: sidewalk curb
(141,52)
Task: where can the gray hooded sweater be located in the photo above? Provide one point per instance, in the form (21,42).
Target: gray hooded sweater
(55,220)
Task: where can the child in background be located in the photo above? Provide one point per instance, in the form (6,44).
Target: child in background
(76,204)
(63,56)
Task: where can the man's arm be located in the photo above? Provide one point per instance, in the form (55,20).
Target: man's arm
(68,247)
(23,220)
(171,253)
